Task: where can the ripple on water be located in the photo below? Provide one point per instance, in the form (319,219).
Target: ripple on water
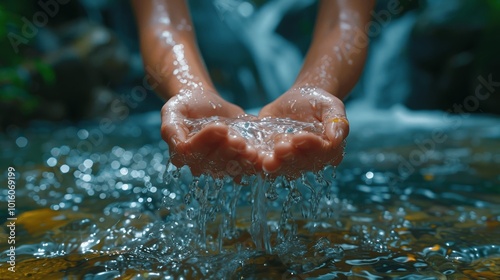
(122,208)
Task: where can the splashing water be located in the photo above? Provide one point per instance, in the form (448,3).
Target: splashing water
(118,209)
(259,133)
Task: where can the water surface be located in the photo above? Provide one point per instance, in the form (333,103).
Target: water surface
(404,205)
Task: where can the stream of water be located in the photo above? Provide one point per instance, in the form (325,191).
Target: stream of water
(118,208)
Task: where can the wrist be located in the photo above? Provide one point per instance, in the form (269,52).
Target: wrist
(308,84)
(183,73)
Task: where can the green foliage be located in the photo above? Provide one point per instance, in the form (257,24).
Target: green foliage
(12,94)
(494,5)
(45,71)
(9,22)
(14,86)
(494,12)
(487,54)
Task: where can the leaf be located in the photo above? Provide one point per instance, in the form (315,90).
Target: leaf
(45,71)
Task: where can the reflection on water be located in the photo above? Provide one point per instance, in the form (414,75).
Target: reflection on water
(109,205)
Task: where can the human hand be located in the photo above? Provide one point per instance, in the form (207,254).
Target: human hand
(305,151)
(211,150)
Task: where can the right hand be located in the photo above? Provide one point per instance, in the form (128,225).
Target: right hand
(212,150)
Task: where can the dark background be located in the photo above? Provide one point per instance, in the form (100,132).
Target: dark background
(77,61)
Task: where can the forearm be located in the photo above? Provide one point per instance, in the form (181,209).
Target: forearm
(337,54)
(169,46)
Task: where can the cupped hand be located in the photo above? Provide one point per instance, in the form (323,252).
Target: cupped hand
(213,149)
(305,151)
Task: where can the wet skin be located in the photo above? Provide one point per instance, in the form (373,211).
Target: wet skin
(331,68)
(294,153)
(212,148)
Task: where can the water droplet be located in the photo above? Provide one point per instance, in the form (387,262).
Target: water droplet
(295,195)
(176,174)
(194,184)
(187,198)
(64,168)
(313,103)
(167,201)
(320,179)
(214,106)
(219,183)
(51,162)
(271,193)
(305,212)
(191,213)
(292,106)
(21,142)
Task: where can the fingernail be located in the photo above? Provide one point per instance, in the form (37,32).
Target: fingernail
(339,132)
(299,146)
(247,163)
(334,131)
(301,143)
(237,149)
(288,156)
(304,144)
(220,134)
(341,120)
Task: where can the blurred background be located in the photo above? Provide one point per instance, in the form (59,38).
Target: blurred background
(74,60)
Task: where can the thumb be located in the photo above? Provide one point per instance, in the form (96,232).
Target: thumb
(172,124)
(336,128)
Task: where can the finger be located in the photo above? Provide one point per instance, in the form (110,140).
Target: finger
(284,150)
(308,142)
(208,139)
(236,146)
(271,163)
(337,129)
(173,134)
(223,152)
(177,160)
(237,151)
(173,126)
(252,159)
(335,122)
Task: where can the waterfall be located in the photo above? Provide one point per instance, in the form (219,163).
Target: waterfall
(277,59)
(385,81)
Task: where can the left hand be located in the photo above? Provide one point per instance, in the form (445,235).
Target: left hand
(296,153)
